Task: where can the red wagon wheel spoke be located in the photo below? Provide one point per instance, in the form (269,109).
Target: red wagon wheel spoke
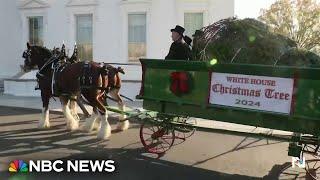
(165,141)
(152,129)
(162,146)
(147,133)
(149,139)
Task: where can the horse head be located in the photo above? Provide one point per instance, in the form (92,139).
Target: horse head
(112,71)
(120,70)
(112,75)
(35,56)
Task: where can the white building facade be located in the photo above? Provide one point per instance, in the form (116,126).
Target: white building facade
(111,31)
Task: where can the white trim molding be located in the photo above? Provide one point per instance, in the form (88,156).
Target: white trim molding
(82,3)
(33,4)
(138,2)
(131,7)
(25,13)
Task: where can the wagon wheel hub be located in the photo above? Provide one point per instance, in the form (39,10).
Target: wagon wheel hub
(158,133)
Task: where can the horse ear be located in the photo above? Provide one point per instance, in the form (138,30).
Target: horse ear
(28,45)
(121,70)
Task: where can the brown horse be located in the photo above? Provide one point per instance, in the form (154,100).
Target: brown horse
(86,78)
(113,88)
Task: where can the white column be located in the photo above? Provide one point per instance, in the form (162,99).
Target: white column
(163,18)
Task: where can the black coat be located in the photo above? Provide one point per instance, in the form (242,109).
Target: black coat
(179,51)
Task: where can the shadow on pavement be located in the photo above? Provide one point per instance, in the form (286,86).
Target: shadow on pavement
(244,144)
(8,111)
(132,162)
(131,165)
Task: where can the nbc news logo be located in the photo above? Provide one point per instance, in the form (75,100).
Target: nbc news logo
(19,166)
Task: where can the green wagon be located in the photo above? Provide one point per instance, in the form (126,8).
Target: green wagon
(279,98)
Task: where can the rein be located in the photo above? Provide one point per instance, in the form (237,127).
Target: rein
(51,60)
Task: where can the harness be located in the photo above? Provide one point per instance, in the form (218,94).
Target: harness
(86,78)
(109,71)
(48,62)
(57,66)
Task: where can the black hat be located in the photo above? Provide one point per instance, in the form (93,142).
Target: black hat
(178,29)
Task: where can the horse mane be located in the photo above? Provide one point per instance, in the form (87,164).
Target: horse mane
(43,50)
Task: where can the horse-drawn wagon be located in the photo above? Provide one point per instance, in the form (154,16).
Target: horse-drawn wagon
(174,93)
(275,97)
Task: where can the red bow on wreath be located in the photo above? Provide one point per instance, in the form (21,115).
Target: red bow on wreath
(180,83)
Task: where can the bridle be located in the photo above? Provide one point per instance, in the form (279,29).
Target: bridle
(27,56)
(57,55)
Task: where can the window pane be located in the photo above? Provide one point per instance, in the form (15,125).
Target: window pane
(136,36)
(36,30)
(192,22)
(84,36)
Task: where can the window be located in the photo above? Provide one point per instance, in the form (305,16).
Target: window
(36,30)
(192,22)
(84,36)
(136,36)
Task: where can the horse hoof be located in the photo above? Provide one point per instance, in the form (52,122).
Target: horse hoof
(87,127)
(44,125)
(123,125)
(103,137)
(90,123)
(73,126)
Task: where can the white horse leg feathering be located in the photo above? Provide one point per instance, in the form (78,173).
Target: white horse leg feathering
(105,128)
(44,121)
(90,122)
(72,124)
(96,124)
(122,124)
(73,109)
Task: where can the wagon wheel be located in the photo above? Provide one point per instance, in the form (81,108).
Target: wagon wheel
(287,172)
(311,154)
(155,138)
(183,132)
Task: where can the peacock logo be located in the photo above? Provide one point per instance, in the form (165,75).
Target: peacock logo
(18,166)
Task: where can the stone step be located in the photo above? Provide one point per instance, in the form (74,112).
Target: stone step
(18,75)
